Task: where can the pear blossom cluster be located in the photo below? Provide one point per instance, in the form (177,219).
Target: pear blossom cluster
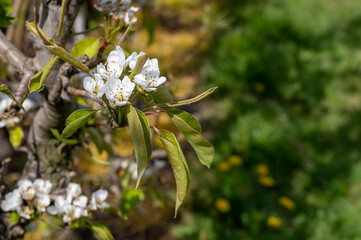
(113,82)
(31,196)
(5,103)
(119,9)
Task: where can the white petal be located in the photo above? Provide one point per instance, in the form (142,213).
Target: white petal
(52,210)
(140,80)
(101,70)
(101,195)
(159,81)
(89,85)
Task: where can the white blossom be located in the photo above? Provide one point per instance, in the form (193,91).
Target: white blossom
(73,191)
(12,201)
(82,203)
(116,62)
(128,16)
(118,90)
(98,199)
(94,85)
(42,187)
(148,79)
(59,206)
(71,213)
(42,202)
(25,211)
(27,190)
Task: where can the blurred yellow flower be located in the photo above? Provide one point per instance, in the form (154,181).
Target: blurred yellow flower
(262,169)
(235,160)
(223,205)
(224,166)
(286,203)
(274,222)
(266,181)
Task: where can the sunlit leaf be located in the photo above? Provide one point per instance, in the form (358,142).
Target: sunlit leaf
(140,134)
(178,163)
(38,80)
(16,135)
(14,217)
(88,46)
(100,231)
(191,130)
(76,120)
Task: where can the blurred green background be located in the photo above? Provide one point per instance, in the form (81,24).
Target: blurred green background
(285,120)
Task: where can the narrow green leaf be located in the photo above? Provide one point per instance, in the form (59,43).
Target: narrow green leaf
(162,95)
(191,130)
(56,134)
(67,57)
(16,135)
(130,199)
(14,217)
(34,29)
(140,134)
(96,138)
(88,46)
(76,120)
(178,163)
(38,80)
(100,231)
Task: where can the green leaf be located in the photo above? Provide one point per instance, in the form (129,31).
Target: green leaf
(130,199)
(76,120)
(162,95)
(100,231)
(191,130)
(38,80)
(178,163)
(56,134)
(88,46)
(16,135)
(37,31)
(14,217)
(96,138)
(5,9)
(140,134)
(5,89)
(67,57)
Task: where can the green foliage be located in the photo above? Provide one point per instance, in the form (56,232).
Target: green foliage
(140,134)
(88,46)
(5,9)
(66,56)
(191,130)
(100,231)
(289,97)
(38,80)
(16,136)
(14,217)
(76,120)
(130,199)
(179,165)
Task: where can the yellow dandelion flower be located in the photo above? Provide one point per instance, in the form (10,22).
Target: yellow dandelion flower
(274,222)
(235,160)
(262,169)
(266,181)
(223,166)
(286,203)
(223,205)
